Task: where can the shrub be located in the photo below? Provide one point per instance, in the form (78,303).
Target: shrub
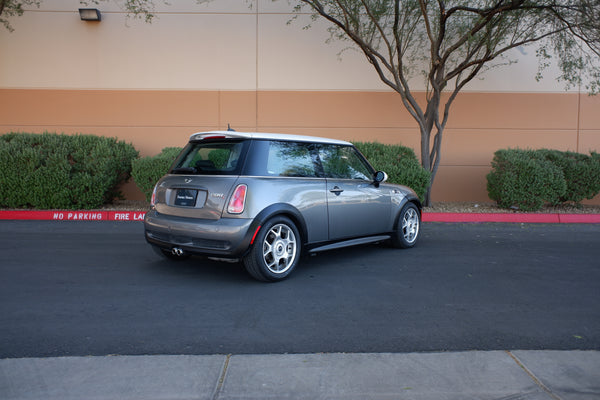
(62,171)
(524,179)
(581,172)
(148,170)
(528,179)
(399,162)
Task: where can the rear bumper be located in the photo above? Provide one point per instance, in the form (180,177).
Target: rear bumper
(226,237)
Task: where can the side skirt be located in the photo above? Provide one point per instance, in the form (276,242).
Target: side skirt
(351,242)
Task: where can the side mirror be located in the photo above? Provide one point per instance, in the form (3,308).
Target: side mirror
(379,177)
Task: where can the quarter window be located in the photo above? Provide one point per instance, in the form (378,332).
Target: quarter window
(293,159)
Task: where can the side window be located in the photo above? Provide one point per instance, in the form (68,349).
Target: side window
(343,162)
(292,159)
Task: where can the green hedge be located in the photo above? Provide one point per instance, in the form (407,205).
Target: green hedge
(148,170)
(51,171)
(581,172)
(530,179)
(399,162)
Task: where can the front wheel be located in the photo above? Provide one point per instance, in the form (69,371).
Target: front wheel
(276,250)
(408,228)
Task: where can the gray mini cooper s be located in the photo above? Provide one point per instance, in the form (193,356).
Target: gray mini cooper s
(265,199)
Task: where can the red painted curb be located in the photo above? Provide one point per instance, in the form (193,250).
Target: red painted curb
(73,215)
(579,218)
(427,217)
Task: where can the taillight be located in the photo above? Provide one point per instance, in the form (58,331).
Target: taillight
(153,200)
(238,200)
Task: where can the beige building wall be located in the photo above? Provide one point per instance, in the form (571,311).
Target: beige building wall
(202,66)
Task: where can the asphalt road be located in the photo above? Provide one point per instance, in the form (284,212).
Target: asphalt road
(96,288)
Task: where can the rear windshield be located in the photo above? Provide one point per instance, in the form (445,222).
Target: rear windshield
(211,157)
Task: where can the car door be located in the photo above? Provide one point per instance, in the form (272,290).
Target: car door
(356,207)
(295,176)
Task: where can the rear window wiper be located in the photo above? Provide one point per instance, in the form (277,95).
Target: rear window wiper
(184,170)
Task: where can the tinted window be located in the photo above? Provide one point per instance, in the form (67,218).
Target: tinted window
(344,162)
(211,158)
(293,159)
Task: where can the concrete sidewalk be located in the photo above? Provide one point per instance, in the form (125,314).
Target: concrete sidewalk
(523,375)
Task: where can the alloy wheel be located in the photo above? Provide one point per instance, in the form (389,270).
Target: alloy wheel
(279,248)
(410,225)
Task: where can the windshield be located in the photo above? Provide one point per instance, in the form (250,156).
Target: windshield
(224,157)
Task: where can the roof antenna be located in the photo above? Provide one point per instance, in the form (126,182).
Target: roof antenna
(229,128)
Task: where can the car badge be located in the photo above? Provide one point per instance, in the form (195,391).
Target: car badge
(188,180)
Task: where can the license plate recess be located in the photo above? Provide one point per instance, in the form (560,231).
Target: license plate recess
(186,197)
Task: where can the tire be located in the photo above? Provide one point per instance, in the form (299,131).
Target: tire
(169,254)
(275,252)
(408,227)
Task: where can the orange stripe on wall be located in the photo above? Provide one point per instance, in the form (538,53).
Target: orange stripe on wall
(480,123)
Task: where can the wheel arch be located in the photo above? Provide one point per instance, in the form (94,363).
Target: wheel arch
(408,199)
(281,209)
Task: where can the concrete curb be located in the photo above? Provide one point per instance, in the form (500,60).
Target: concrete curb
(526,375)
(126,216)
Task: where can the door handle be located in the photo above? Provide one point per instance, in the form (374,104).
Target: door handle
(336,190)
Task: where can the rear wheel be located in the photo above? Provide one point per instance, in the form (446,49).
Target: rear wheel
(276,250)
(409,226)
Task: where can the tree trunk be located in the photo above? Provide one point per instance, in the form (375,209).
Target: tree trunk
(425,160)
(430,152)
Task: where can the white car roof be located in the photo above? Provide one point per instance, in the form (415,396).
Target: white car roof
(267,136)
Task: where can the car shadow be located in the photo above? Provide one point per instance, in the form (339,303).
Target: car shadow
(202,268)
(199,268)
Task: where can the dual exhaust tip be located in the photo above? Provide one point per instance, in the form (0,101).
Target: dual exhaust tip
(176,251)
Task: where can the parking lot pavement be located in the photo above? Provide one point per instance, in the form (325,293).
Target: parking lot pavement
(524,375)
(507,375)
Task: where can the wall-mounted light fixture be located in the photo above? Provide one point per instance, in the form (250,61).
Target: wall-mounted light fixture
(90,14)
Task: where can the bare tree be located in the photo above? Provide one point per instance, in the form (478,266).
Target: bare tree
(11,8)
(452,42)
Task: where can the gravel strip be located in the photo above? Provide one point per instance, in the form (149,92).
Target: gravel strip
(481,207)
